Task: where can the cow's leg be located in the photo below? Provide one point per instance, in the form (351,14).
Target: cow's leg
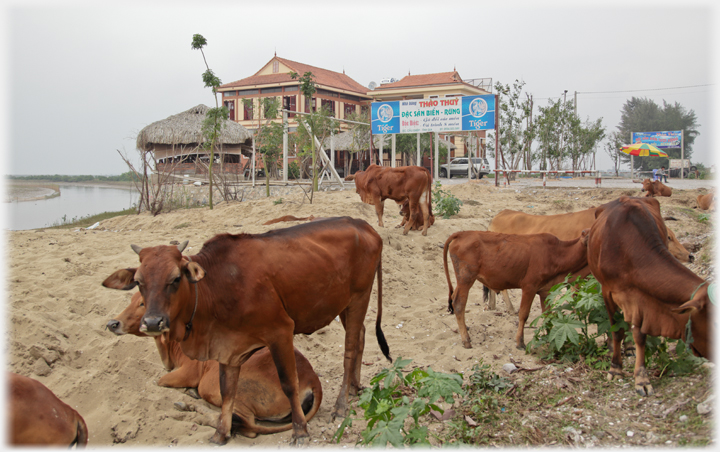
(617,337)
(186,376)
(354,316)
(525,303)
(492,297)
(506,297)
(379,208)
(228,386)
(459,298)
(355,386)
(283,354)
(642,381)
(412,205)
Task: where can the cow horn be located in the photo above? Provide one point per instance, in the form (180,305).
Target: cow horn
(182,246)
(136,248)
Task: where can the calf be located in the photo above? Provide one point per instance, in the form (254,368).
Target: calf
(259,395)
(411,183)
(38,418)
(417,217)
(655,188)
(628,254)
(508,261)
(247,291)
(706,202)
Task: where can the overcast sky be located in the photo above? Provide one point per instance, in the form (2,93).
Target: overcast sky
(83,78)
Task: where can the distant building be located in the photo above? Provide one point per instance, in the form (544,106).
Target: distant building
(339,93)
(428,86)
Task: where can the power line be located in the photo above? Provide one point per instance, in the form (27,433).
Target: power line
(639,90)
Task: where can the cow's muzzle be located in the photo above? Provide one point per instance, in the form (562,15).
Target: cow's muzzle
(154,325)
(115,326)
(691,258)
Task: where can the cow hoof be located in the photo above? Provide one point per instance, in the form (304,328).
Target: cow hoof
(302,441)
(467,344)
(520,346)
(424,233)
(219,439)
(644,390)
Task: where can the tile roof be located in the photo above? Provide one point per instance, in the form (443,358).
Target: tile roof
(322,77)
(441,78)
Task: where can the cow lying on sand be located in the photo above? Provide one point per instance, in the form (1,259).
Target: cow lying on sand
(655,188)
(38,418)
(566,226)
(224,303)
(259,395)
(706,202)
(508,261)
(627,253)
(411,183)
(417,217)
(288,218)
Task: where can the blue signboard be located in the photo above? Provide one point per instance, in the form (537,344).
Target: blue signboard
(658,139)
(447,114)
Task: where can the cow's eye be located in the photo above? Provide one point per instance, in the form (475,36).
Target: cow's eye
(176,280)
(142,304)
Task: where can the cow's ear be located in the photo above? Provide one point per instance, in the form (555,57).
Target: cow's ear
(584,235)
(194,272)
(691,306)
(122,279)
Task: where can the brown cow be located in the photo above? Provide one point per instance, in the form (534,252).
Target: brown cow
(627,253)
(417,216)
(288,218)
(706,202)
(259,395)
(38,418)
(566,226)
(508,261)
(412,183)
(225,302)
(655,188)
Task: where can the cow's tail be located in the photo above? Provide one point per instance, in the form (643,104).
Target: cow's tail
(378,330)
(447,272)
(486,293)
(81,439)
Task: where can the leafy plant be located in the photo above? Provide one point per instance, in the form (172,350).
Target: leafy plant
(277,201)
(387,404)
(703,218)
(445,203)
(565,330)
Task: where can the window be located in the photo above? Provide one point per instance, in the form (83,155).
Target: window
(291,88)
(229,93)
(349,110)
(271,90)
(230,104)
(248,110)
(247,92)
(328,104)
(289,104)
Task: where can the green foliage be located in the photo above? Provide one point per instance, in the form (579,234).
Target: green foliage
(516,134)
(444,203)
(644,115)
(387,406)
(484,379)
(307,83)
(277,201)
(704,218)
(293,170)
(568,311)
(657,350)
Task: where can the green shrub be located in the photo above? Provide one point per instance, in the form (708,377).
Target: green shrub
(387,404)
(293,170)
(444,203)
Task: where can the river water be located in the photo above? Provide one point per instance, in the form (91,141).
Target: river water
(75,201)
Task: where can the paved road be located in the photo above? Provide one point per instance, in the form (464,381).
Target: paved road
(589,182)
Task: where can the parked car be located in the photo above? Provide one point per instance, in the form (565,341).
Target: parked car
(459,167)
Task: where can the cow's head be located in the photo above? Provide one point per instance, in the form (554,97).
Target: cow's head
(699,308)
(164,278)
(648,186)
(677,249)
(584,235)
(129,321)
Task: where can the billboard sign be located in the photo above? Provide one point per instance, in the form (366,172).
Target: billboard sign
(447,114)
(658,139)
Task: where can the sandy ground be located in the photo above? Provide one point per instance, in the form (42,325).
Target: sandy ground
(58,309)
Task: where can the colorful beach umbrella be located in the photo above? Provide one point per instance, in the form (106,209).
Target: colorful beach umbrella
(643,150)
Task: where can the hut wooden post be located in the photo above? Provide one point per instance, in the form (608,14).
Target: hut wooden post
(253,162)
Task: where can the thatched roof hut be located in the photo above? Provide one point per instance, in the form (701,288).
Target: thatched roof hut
(181,134)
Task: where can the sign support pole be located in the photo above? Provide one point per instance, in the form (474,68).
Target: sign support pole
(285,146)
(497,142)
(437,153)
(418,149)
(682,155)
(392,152)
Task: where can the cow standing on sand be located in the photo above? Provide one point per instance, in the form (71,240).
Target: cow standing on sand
(411,183)
(224,303)
(259,395)
(566,226)
(38,418)
(508,261)
(628,254)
